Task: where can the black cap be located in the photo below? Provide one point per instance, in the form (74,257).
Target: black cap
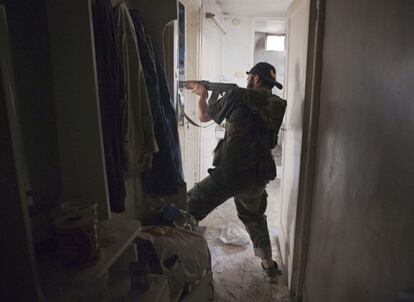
(267,72)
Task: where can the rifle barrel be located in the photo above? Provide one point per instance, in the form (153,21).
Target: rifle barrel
(213,86)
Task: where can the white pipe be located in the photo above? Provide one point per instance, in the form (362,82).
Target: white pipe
(213,18)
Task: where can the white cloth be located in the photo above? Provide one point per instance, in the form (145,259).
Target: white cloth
(139,143)
(193,258)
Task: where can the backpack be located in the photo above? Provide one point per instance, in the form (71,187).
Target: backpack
(268,111)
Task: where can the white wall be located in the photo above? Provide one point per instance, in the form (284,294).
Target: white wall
(211,70)
(212,44)
(237,49)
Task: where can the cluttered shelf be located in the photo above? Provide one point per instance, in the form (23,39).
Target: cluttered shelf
(115,235)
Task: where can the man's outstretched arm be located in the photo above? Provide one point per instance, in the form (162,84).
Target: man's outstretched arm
(202,106)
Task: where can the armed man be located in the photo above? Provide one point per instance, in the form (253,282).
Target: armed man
(243,163)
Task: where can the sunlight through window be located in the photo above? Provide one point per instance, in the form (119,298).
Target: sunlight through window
(275,43)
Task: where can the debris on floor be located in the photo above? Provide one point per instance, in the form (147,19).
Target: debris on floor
(237,273)
(234,234)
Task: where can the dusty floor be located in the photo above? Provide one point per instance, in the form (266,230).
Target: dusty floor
(238,275)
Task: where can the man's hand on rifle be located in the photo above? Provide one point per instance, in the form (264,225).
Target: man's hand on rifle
(197,88)
(200,90)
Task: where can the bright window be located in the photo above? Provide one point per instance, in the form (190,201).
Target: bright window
(275,43)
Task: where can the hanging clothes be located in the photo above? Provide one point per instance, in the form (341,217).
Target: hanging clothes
(138,142)
(165,176)
(110,84)
(171,119)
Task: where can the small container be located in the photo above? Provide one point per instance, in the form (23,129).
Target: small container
(76,229)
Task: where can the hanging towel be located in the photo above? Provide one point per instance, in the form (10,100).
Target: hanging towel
(139,143)
(165,176)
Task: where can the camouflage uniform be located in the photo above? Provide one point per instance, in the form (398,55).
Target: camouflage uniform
(242,160)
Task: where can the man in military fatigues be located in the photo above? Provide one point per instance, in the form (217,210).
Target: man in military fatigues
(242,160)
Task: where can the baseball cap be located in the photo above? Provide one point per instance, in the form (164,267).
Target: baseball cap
(267,72)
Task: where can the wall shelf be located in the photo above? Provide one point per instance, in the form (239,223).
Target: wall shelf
(115,235)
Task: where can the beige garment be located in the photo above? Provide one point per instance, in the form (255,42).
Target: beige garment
(139,143)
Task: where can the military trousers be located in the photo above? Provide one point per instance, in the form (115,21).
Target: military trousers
(250,200)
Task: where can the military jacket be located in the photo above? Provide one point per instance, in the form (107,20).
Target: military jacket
(253,119)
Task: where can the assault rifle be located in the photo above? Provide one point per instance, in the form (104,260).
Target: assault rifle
(216,88)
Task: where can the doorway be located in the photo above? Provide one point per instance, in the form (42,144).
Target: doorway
(227,51)
(237,272)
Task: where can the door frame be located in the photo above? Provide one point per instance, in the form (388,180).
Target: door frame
(19,248)
(309,147)
(192,66)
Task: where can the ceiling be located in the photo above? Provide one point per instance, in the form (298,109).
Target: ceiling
(255,8)
(277,27)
